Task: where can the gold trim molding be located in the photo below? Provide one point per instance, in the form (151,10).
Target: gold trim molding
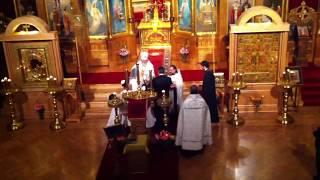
(244,26)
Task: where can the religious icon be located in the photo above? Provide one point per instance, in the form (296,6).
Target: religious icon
(25,7)
(59,14)
(237,7)
(184,14)
(95,10)
(274,4)
(118,16)
(295,74)
(33,63)
(206,13)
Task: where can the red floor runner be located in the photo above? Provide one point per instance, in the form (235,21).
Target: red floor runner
(310,91)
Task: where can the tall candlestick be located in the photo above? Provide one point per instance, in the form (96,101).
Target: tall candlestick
(150,79)
(237,74)
(138,74)
(150,75)
(127,79)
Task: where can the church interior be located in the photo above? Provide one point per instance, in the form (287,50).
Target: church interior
(66,68)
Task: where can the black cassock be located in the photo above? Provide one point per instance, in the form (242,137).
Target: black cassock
(209,94)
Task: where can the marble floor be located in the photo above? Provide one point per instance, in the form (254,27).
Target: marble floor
(261,149)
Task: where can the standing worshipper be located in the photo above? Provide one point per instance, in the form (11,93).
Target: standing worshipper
(162,82)
(209,91)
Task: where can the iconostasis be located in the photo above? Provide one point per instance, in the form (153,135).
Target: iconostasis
(103,35)
(259,51)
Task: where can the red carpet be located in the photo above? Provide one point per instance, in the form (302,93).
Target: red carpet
(310,91)
(116,77)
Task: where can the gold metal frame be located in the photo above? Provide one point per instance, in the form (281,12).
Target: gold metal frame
(175,6)
(40,45)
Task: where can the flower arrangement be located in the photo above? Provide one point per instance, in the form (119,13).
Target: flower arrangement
(39,108)
(184,52)
(123,53)
(164,136)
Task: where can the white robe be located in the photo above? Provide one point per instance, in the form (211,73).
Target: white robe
(178,82)
(194,126)
(144,72)
(121,114)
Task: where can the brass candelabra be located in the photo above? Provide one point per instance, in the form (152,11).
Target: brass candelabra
(9,91)
(286,85)
(236,85)
(139,95)
(53,90)
(256,101)
(164,102)
(115,103)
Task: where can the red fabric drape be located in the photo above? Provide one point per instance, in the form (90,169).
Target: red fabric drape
(156,57)
(137,108)
(311,3)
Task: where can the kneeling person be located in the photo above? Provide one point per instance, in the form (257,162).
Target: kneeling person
(194,122)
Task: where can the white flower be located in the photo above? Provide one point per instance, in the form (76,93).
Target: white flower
(123,52)
(184,51)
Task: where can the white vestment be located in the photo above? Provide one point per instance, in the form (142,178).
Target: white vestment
(178,82)
(144,74)
(121,114)
(194,126)
(151,119)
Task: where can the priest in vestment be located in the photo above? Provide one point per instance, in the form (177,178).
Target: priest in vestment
(194,125)
(177,80)
(145,67)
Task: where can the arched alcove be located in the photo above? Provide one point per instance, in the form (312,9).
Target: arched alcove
(259,11)
(34,21)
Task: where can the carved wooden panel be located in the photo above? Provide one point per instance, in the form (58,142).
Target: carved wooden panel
(258,56)
(151,38)
(98,53)
(206,48)
(69,55)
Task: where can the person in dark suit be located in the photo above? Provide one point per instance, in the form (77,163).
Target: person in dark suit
(209,91)
(162,82)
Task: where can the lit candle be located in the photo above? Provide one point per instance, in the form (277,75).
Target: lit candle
(150,78)
(237,76)
(127,78)
(150,75)
(138,74)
